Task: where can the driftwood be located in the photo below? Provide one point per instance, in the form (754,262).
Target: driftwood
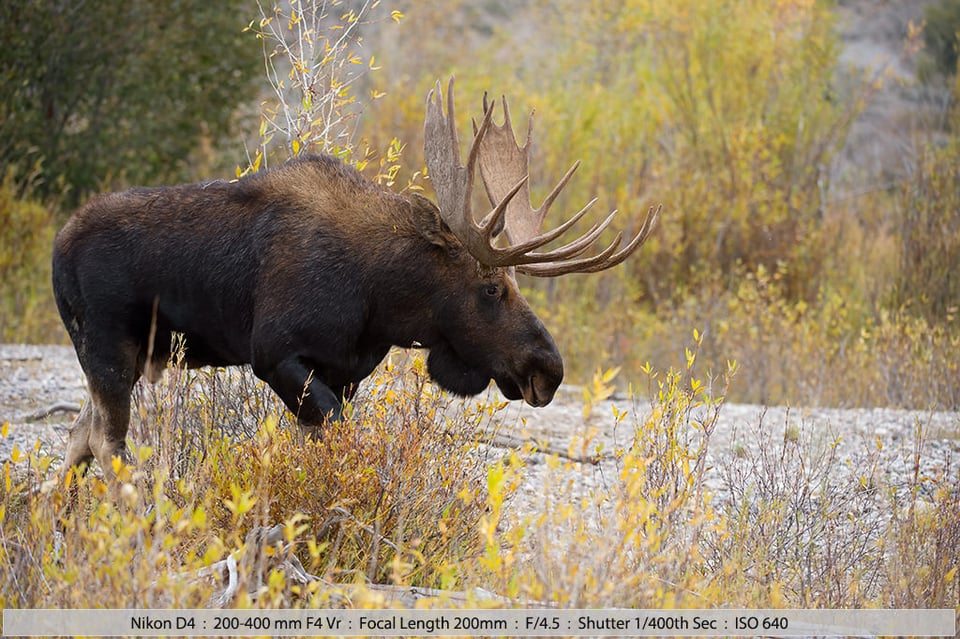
(249,568)
(509,441)
(59,407)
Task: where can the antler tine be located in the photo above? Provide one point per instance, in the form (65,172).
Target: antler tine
(522,255)
(442,155)
(507,123)
(602,261)
(579,245)
(478,134)
(558,267)
(545,238)
(492,224)
(548,201)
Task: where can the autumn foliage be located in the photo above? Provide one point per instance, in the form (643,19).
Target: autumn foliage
(735,116)
(804,277)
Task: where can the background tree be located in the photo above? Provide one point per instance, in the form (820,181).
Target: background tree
(941,27)
(119,91)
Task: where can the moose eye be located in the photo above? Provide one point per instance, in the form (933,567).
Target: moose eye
(492,291)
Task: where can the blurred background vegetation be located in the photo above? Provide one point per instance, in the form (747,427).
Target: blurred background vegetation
(805,152)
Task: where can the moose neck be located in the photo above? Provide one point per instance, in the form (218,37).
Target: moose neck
(406,292)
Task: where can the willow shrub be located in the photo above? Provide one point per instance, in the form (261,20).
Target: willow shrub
(928,232)
(27,228)
(728,113)
(392,494)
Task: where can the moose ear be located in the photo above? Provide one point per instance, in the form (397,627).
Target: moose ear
(431,225)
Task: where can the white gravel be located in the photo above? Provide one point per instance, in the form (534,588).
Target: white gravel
(865,445)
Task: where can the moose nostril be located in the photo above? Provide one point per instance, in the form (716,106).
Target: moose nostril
(541,390)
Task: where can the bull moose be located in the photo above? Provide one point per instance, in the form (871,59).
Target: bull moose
(310,273)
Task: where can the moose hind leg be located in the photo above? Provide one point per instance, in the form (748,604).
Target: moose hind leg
(111,371)
(94,435)
(108,431)
(99,432)
(79,453)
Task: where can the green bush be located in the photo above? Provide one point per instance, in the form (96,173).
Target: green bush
(120,92)
(941,26)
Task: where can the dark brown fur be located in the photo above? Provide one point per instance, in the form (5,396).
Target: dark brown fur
(305,271)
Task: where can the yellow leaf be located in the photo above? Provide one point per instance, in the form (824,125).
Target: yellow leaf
(120,469)
(144,453)
(609,374)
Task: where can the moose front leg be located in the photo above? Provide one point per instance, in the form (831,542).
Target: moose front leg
(312,401)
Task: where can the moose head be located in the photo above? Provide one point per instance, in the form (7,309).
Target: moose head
(537,369)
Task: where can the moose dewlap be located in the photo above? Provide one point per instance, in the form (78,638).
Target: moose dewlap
(310,273)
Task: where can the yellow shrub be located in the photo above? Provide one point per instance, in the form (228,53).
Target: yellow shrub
(27,311)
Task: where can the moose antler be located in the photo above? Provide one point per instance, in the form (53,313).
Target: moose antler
(503,166)
(502,160)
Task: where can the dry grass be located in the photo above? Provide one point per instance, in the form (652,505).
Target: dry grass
(390,495)
(405,493)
